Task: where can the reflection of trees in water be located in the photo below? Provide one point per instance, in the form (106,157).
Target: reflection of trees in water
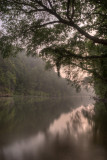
(22,117)
(100,128)
(76,141)
(81,120)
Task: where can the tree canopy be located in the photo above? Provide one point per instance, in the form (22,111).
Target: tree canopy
(67,32)
(50,22)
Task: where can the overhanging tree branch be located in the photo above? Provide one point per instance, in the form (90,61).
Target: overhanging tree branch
(91,71)
(38,5)
(75,26)
(76,56)
(93,38)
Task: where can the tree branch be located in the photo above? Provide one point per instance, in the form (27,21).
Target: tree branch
(69,23)
(72,24)
(48,23)
(91,71)
(50,4)
(72,15)
(68,6)
(68,9)
(33,27)
(51,11)
(94,39)
(45,7)
(72,55)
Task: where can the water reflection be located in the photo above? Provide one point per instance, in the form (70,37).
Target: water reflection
(76,122)
(65,136)
(28,148)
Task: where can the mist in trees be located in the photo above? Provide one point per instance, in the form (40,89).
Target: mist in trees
(68,33)
(28,76)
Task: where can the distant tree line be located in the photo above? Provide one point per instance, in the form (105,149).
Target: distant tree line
(27,76)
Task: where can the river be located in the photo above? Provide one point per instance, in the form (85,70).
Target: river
(33,128)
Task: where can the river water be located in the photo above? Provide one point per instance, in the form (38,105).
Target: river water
(34,128)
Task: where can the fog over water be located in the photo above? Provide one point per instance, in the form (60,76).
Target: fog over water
(53,129)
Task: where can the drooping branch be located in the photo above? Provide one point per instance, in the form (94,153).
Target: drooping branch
(72,55)
(38,5)
(91,71)
(84,33)
(75,26)
(93,38)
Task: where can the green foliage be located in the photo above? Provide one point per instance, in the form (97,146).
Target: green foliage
(47,23)
(27,76)
(70,34)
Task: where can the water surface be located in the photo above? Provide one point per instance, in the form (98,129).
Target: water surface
(50,129)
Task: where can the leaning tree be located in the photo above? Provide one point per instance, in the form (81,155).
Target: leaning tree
(69,33)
